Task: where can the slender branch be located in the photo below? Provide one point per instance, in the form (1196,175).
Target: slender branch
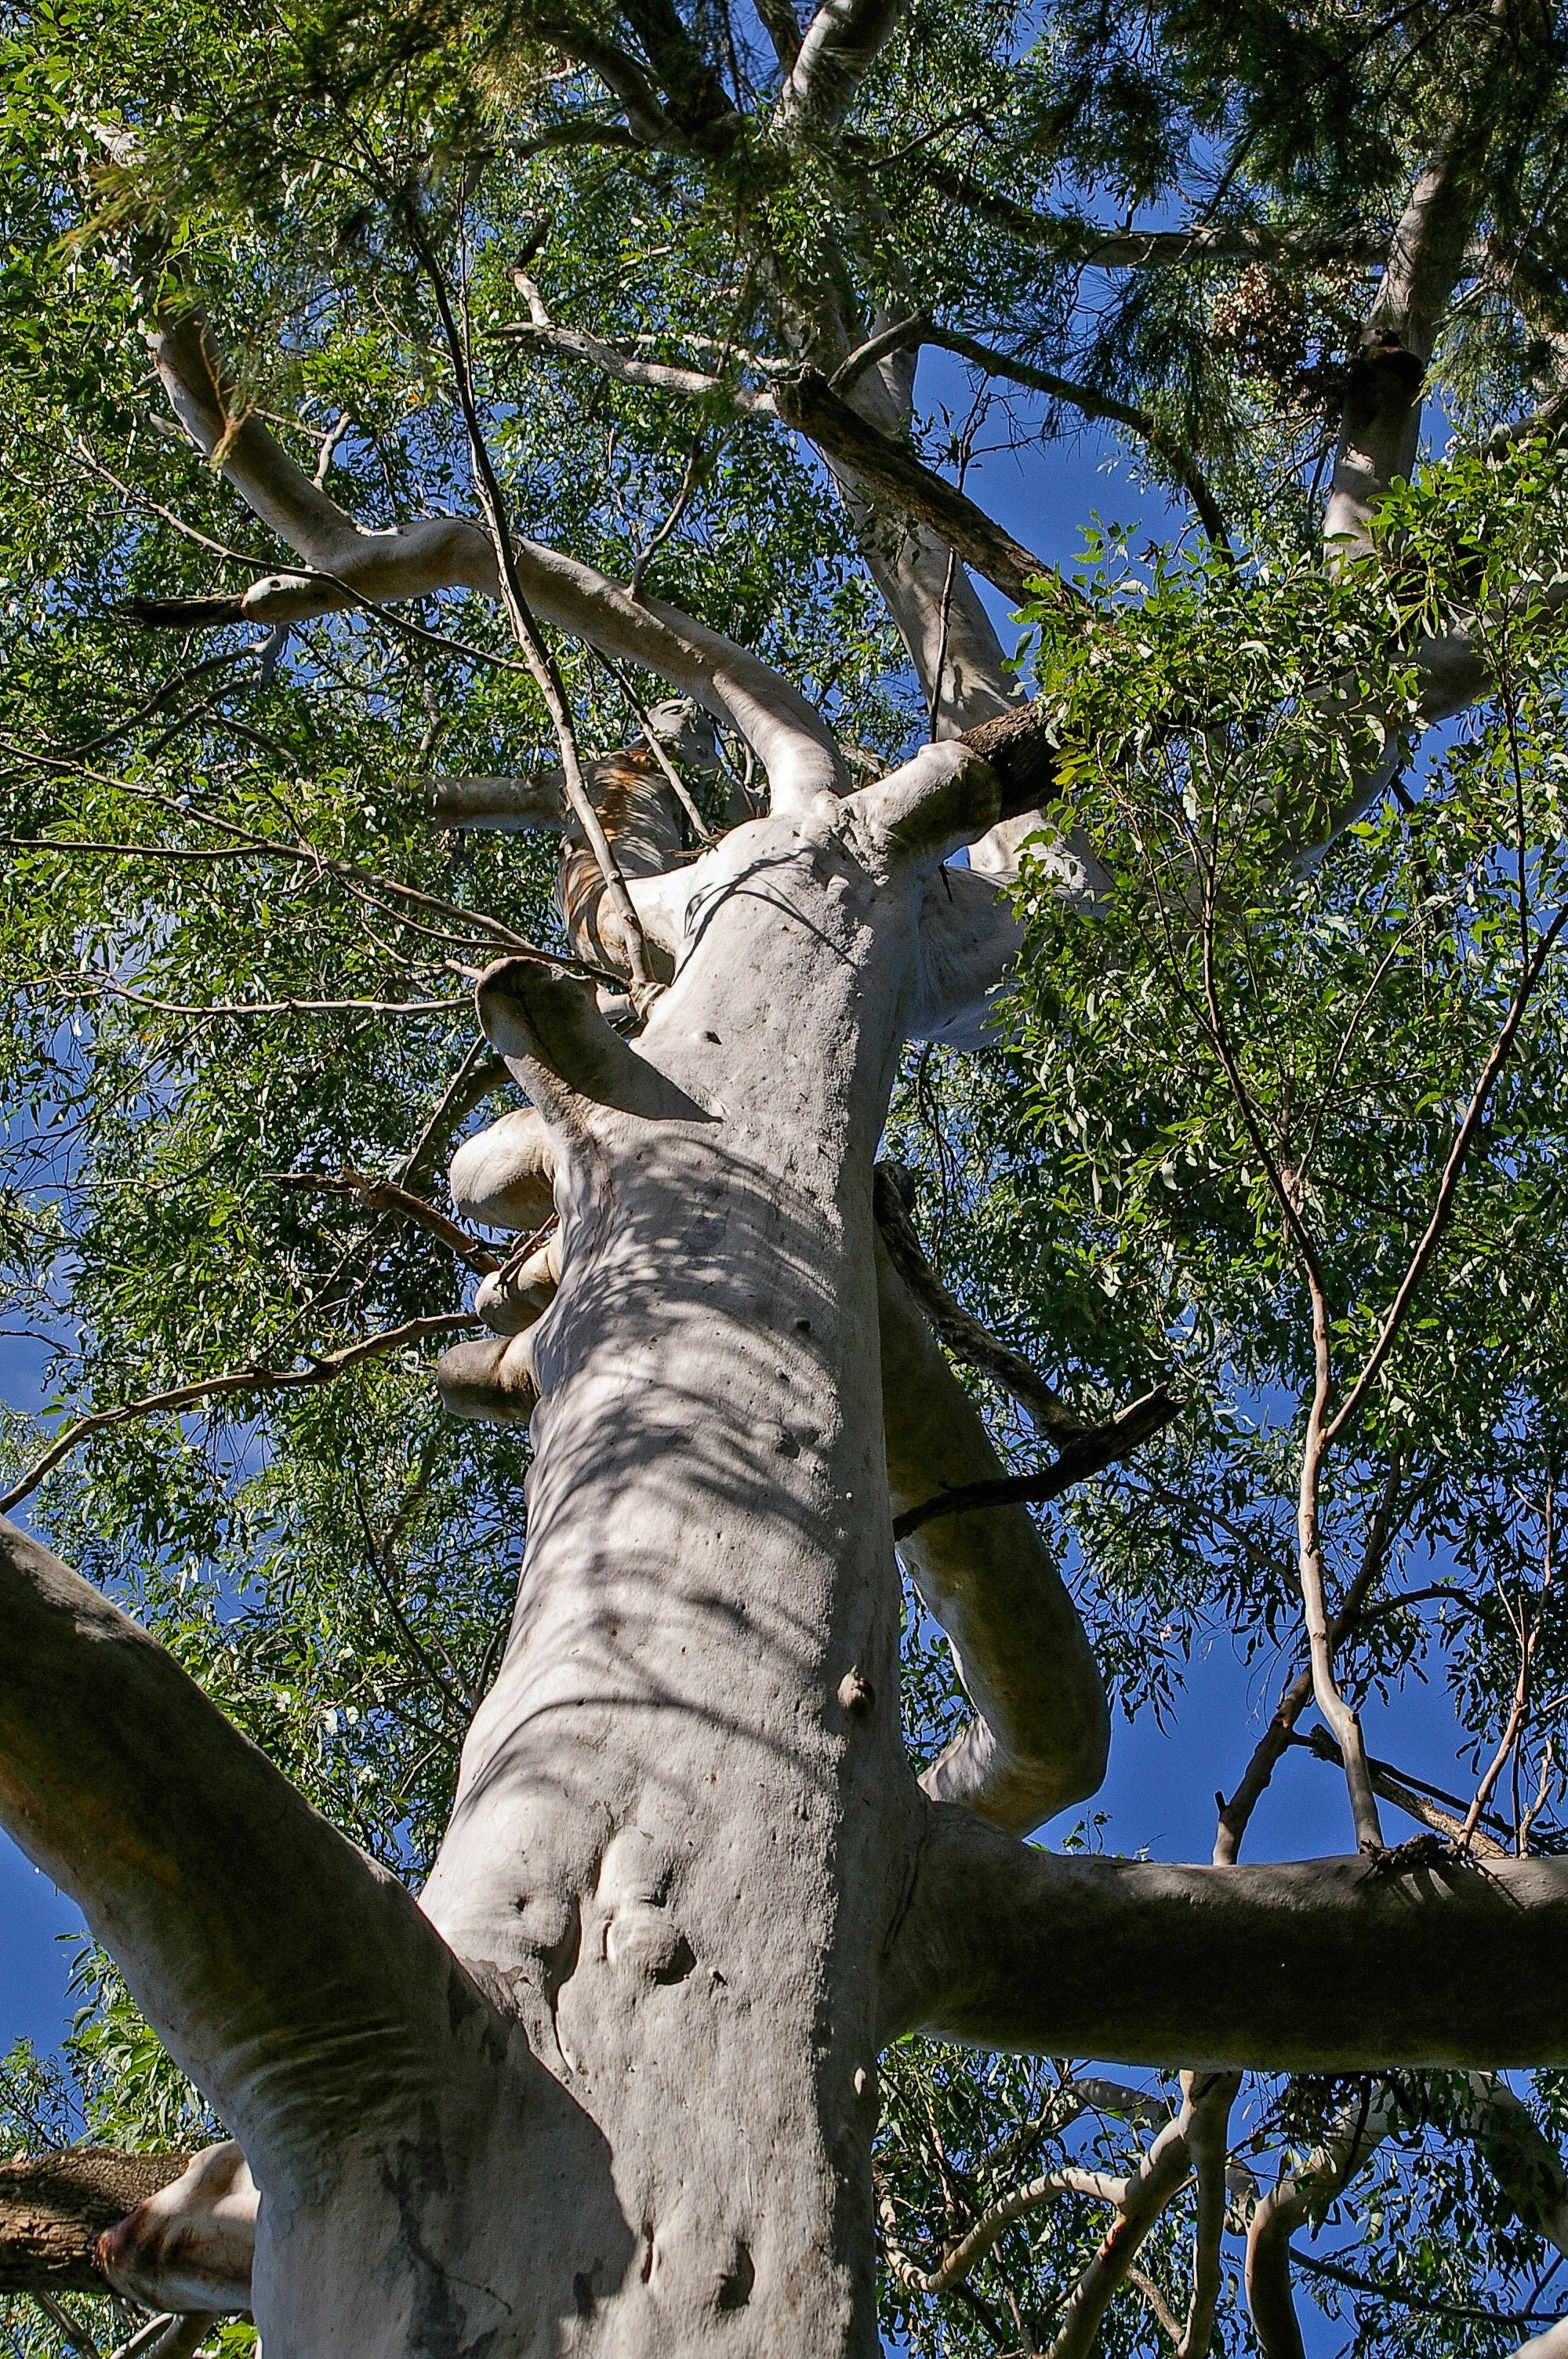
(964,1336)
(1433,2305)
(911,334)
(1089,1453)
(1206,2141)
(1448,1187)
(540,661)
(1386,1782)
(236,1380)
(966,2253)
(626,368)
(387,1196)
(1154,2187)
(1341,1716)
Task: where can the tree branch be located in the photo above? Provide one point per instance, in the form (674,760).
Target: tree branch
(891,470)
(295,1981)
(841,43)
(1090,1453)
(54,2207)
(1181,463)
(964,1337)
(1158,2179)
(236,1380)
(351,568)
(1041,1735)
(1320,1966)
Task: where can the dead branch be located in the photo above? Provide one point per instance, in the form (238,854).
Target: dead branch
(387,1196)
(1089,1454)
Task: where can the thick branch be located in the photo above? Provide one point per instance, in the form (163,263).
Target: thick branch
(1321,1965)
(841,42)
(890,471)
(294,1980)
(54,2207)
(351,568)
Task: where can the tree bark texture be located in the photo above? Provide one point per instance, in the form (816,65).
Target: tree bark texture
(54,2207)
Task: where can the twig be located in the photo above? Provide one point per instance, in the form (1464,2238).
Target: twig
(691,476)
(1341,1716)
(236,1380)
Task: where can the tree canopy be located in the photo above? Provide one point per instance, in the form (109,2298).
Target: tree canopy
(1273,1114)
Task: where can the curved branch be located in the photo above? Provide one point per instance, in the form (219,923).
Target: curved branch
(1043,1731)
(1158,2179)
(294,1980)
(1305,2193)
(234,1380)
(351,568)
(1090,1452)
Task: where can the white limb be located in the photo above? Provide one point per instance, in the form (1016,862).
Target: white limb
(1298,2196)
(510,1300)
(504,1175)
(350,566)
(1042,1737)
(191,2245)
(1552,2344)
(838,48)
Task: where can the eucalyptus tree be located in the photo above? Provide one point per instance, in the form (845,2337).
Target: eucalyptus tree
(529,483)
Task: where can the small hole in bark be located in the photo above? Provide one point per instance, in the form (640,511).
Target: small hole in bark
(680,1964)
(735,2290)
(582,2294)
(714,1037)
(787,1446)
(804,1326)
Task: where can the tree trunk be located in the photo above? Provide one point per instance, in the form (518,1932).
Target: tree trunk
(686,1825)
